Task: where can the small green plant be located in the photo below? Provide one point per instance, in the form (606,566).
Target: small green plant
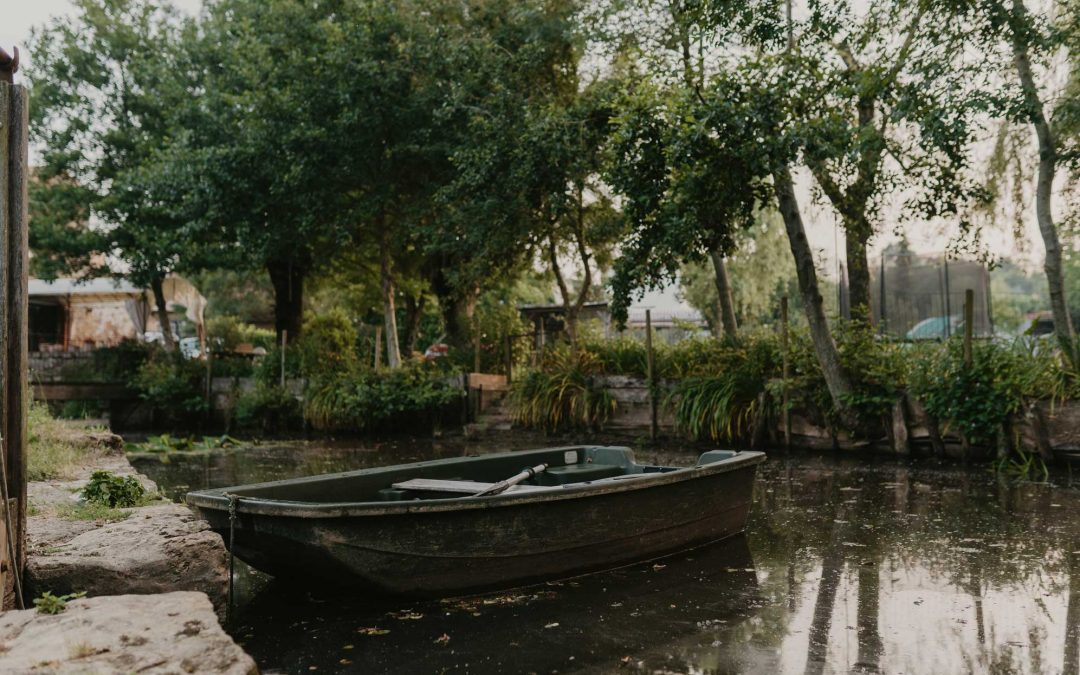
(1025,466)
(107,489)
(54,604)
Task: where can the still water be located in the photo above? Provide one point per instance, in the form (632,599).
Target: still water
(845,567)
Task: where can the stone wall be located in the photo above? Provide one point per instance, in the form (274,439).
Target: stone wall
(59,366)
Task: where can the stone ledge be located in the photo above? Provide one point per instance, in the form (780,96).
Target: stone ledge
(168,633)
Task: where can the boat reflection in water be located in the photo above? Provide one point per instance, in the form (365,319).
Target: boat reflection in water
(650,613)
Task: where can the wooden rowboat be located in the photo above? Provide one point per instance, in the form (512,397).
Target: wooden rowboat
(418,529)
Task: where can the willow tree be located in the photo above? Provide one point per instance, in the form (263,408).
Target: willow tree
(1023,49)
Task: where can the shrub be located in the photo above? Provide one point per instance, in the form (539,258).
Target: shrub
(268,408)
(978,400)
(173,386)
(107,489)
(328,344)
(409,397)
(226,333)
(562,394)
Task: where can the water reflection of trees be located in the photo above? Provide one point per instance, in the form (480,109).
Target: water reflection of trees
(963,527)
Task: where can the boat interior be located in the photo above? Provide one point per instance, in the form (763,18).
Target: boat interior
(468,476)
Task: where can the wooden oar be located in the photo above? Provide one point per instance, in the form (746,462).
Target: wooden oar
(504,485)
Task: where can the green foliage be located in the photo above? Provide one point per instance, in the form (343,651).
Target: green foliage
(226,332)
(175,387)
(267,369)
(107,489)
(54,604)
(562,394)
(760,271)
(328,344)
(411,397)
(268,408)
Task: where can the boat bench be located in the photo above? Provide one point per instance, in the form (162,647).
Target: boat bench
(465,487)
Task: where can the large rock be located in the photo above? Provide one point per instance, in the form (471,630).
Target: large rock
(169,633)
(157,549)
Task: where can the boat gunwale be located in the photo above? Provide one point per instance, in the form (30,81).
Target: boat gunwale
(219,499)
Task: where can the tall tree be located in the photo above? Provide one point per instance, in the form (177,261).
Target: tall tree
(884,98)
(107,83)
(668,40)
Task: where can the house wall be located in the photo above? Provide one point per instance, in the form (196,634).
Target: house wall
(99,322)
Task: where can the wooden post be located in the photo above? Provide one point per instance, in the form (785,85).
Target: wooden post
(476,344)
(509,358)
(969,324)
(650,369)
(14,261)
(209,383)
(284,342)
(378,346)
(785,413)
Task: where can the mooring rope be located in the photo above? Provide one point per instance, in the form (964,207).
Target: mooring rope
(15,572)
(233,499)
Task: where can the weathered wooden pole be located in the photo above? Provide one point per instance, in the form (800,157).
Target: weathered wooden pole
(509,344)
(786,373)
(650,373)
(969,324)
(476,344)
(284,343)
(14,259)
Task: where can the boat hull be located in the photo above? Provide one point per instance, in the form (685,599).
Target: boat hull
(438,552)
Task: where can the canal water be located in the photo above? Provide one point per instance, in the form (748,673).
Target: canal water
(846,566)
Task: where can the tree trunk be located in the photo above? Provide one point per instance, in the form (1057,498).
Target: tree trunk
(723,289)
(856,236)
(163,314)
(393,349)
(287,279)
(414,313)
(824,347)
(1055,276)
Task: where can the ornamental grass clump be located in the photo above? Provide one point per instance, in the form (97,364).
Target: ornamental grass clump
(562,394)
(727,405)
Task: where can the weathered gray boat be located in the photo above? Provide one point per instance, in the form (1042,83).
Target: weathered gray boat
(419,529)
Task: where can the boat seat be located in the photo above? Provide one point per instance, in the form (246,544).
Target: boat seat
(577,473)
(465,487)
